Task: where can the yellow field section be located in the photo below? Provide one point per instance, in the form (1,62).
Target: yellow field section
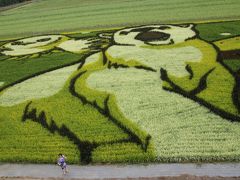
(228,44)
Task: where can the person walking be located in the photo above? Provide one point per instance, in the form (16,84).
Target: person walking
(62,163)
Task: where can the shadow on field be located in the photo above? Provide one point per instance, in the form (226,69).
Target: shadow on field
(12,6)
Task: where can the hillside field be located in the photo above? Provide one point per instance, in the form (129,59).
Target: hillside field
(130,81)
(153,93)
(49,16)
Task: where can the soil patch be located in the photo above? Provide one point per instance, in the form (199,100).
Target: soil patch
(234,54)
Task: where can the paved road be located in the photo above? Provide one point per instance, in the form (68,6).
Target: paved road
(120,171)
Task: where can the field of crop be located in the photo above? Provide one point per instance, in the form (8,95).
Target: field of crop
(47,16)
(153,93)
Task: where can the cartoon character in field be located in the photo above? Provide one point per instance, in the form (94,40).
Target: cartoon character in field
(158,74)
(149,76)
(31,47)
(38,45)
(50,100)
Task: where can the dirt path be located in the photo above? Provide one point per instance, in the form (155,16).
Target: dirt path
(182,177)
(155,171)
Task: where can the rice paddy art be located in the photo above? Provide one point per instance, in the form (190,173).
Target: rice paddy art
(162,92)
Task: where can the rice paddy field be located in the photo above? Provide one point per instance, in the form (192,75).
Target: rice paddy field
(49,16)
(99,83)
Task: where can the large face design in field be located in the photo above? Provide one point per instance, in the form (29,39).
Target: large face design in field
(44,44)
(32,45)
(141,44)
(155,35)
(154,68)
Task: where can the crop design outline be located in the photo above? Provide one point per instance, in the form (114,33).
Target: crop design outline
(64,131)
(236,75)
(85,148)
(93,49)
(202,84)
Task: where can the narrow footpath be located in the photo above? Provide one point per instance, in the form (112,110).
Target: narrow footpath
(120,171)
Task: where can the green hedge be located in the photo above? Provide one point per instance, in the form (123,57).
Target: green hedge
(9,2)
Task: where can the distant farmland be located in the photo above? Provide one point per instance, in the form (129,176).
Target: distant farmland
(49,16)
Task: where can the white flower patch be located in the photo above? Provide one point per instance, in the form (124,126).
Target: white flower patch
(162,114)
(154,35)
(75,46)
(30,45)
(42,86)
(173,60)
(225,34)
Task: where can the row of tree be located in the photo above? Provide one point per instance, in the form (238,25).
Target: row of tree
(9,2)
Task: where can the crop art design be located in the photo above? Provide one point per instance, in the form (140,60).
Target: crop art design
(165,73)
(33,45)
(44,44)
(185,64)
(138,94)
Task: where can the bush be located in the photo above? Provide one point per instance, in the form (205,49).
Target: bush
(9,2)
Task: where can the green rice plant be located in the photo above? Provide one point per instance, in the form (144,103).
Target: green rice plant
(233,64)
(218,30)
(83,125)
(107,103)
(117,154)
(12,71)
(28,142)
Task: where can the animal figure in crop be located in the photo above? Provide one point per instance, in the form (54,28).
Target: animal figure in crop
(39,45)
(147,77)
(50,100)
(162,73)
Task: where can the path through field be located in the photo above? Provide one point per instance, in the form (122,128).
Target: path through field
(121,171)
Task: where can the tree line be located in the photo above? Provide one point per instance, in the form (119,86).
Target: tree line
(9,2)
